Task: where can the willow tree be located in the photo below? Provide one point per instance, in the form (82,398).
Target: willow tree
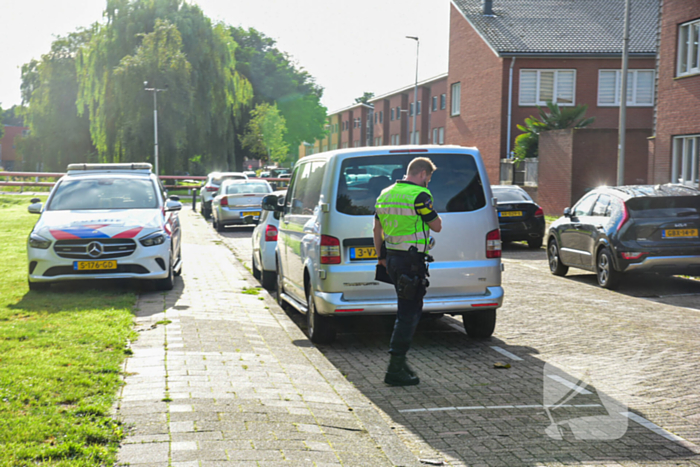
(198,114)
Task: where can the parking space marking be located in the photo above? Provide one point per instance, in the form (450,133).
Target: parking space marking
(569,384)
(506,353)
(496,407)
(660,431)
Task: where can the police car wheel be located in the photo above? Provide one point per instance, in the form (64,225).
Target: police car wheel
(479,324)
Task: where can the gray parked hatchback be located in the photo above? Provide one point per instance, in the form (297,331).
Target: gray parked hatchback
(325,255)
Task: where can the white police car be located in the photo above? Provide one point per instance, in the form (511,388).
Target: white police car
(105,221)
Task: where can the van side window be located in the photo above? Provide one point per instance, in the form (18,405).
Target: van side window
(307,188)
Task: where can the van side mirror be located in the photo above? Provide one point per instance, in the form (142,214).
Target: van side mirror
(567,212)
(271,203)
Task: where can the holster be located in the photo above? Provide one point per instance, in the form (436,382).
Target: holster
(411,288)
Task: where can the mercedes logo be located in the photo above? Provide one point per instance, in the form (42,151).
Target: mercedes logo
(95,249)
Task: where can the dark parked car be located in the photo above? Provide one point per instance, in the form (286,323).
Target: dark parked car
(615,230)
(519,217)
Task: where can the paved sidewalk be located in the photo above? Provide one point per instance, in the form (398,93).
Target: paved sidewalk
(220,377)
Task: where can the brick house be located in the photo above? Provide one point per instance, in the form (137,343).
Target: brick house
(674,149)
(8,147)
(507,56)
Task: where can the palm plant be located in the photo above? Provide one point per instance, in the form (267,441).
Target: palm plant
(526,144)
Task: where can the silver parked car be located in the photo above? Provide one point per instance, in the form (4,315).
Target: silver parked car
(325,256)
(238,199)
(211,187)
(264,244)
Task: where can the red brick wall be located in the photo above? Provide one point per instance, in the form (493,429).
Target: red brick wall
(398,126)
(481,74)
(574,161)
(438,117)
(381,129)
(678,99)
(8,143)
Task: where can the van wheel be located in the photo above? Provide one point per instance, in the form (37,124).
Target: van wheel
(280,288)
(39,286)
(269,279)
(320,328)
(608,277)
(556,267)
(256,271)
(479,324)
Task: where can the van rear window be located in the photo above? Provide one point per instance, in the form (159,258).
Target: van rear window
(456,185)
(664,206)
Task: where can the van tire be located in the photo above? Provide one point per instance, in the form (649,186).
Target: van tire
(321,329)
(268,280)
(280,287)
(480,324)
(256,271)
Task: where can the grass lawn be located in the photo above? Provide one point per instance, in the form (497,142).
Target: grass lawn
(60,359)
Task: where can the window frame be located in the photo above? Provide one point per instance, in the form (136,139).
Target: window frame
(458,101)
(684,165)
(443,101)
(690,70)
(434,105)
(539,72)
(634,86)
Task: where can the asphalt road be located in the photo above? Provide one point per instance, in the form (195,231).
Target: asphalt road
(596,377)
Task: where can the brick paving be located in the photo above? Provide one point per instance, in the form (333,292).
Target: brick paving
(219,377)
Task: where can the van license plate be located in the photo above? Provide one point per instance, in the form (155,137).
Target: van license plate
(363,253)
(255,214)
(679,233)
(510,214)
(94,265)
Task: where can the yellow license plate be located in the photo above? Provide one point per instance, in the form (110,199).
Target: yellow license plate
(676,233)
(251,213)
(94,265)
(363,253)
(510,213)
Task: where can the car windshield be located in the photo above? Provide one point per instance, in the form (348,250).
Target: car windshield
(665,206)
(250,187)
(455,185)
(104,193)
(510,196)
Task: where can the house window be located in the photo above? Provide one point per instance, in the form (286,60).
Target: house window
(434,106)
(392,115)
(435,136)
(381,116)
(345,145)
(684,165)
(441,137)
(398,113)
(640,88)
(334,146)
(456,91)
(410,110)
(418,111)
(378,141)
(443,101)
(688,50)
(415,137)
(537,87)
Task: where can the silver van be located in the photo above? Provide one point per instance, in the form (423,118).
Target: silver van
(325,255)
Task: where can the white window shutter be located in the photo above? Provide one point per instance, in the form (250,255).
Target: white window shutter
(606,87)
(565,87)
(528,87)
(645,87)
(546,86)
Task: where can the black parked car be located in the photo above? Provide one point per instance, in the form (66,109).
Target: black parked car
(519,217)
(641,228)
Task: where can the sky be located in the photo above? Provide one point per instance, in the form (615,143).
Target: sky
(348,47)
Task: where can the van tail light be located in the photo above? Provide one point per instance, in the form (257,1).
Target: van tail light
(625,216)
(632,255)
(224,201)
(539,212)
(493,244)
(211,188)
(330,250)
(270,233)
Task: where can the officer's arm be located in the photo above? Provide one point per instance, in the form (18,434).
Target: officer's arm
(378,239)
(436,224)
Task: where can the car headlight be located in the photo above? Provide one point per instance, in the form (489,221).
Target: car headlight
(37,241)
(156,238)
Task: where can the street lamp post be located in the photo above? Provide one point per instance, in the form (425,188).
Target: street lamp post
(623,98)
(155,92)
(415,92)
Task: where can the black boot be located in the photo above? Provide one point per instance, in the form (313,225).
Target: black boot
(397,374)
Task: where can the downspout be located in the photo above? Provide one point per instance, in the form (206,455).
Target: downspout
(510,106)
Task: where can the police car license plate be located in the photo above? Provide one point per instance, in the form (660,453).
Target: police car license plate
(357,253)
(679,233)
(94,265)
(255,214)
(510,214)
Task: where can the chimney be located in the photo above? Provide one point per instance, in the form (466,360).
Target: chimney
(487,7)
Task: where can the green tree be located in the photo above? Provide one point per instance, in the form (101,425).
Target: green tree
(276,79)
(14,116)
(527,143)
(58,135)
(264,135)
(365,98)
(207,105)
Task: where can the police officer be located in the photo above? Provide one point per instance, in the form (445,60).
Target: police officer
(403,221)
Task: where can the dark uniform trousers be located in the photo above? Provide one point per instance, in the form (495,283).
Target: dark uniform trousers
(409,311)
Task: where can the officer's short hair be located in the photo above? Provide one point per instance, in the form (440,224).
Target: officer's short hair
(420,164)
